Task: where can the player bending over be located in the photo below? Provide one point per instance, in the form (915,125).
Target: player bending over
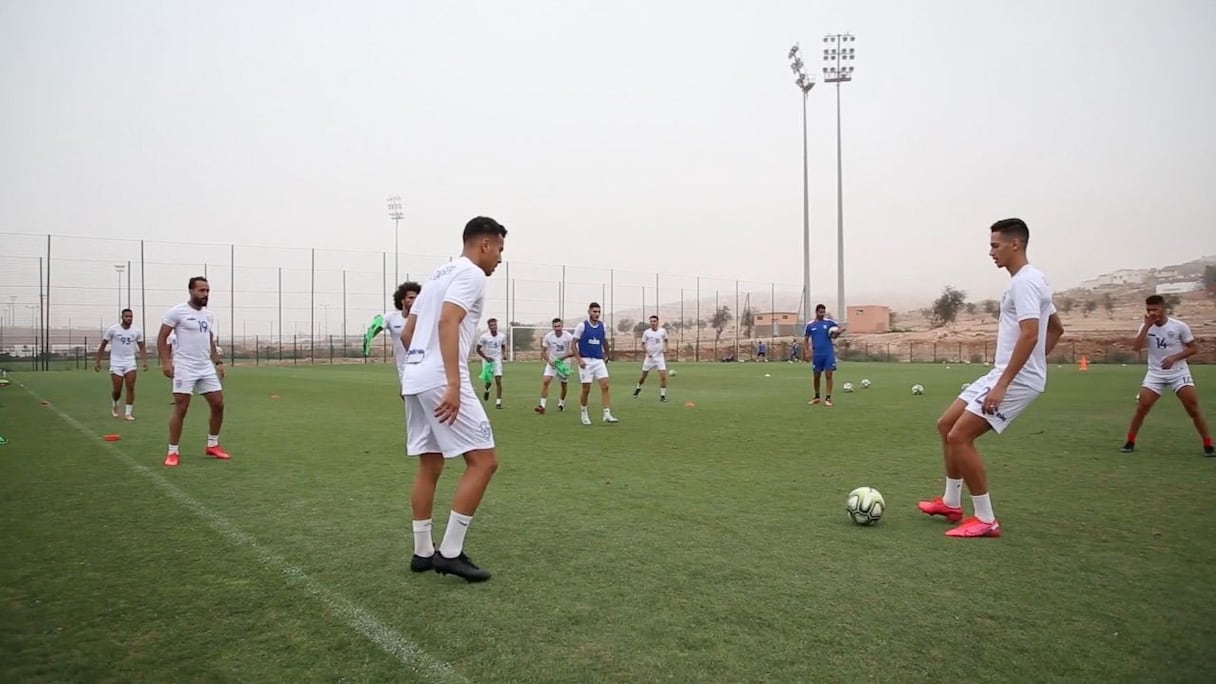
(443,417)
(124,337)
(654,341)
(490,348)
(591,354)
(554,347)
(194,366)
(818,343)
(1028,330)
(1169,343)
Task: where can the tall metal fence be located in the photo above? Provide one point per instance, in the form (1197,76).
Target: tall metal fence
(59,294)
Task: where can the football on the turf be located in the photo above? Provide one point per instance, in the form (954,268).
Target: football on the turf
(865,383)
(918,389)
(865,505)
(848,387)
(672,374)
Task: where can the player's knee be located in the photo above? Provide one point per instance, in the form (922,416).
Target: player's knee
(944,425)
(957,437)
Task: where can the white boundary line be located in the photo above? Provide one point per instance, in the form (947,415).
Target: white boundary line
(356,617)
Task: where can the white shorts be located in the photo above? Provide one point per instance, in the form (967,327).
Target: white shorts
(595,371)
(497,366)
(1156,381)
(425,434)
(122,368)
(197,384)
(1017,397)
(550,372)
(654,363)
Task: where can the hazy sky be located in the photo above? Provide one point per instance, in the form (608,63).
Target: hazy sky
(651,136)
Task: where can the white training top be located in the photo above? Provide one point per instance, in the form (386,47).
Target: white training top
(1027,296)
(652,341)
(557,346)
(194,329)
(1167,340)
(123,342)
(394,323)
(491,345)
(462,283)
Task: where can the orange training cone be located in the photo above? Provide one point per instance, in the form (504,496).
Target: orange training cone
(1084,364)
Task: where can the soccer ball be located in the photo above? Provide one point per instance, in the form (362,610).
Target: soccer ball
(865,505)
(918,389)
(834,331)
(672,374)
(865,383)
(848,387)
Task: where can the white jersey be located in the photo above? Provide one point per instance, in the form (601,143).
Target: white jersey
(1027,296)
(462,283)
(557,346)
(491,345)
(123,342)
(394,323)
(194,329)
(653,340)
(1166,340)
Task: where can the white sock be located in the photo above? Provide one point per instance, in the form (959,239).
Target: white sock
(583,409)
(607,412)
(542,402)
(173,448)
(561,402)
(114,403)
(983,508)
(662,391)
(954,493)
(453,536)
(129,409)
(423,544)
(498,402)
(213,440)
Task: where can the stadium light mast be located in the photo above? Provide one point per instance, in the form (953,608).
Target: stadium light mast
(120,268)
(838,55)
(804,83)
(396,211)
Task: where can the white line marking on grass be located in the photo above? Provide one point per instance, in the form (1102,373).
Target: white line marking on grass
(358,618)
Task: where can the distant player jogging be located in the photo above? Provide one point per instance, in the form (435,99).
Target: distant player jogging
(124,338)
(654,342)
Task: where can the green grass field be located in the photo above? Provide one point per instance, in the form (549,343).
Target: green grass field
(683,544)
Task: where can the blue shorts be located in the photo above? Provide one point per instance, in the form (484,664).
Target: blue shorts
(823,363)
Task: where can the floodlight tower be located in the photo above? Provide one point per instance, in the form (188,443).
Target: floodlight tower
(838,55)
(119,268)
(396,212)
(804,83)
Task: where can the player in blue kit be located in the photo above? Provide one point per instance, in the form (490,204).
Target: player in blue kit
(590,352)
(818,344)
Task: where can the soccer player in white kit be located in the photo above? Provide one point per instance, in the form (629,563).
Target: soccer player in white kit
(1169,342)
(654,341)
(394,321)
(194,365)
(1029,329)
(123,339)
(490,348)
(443,417)
(555,345)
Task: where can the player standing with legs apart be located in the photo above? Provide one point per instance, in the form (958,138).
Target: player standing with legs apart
(1027,332)
(1169,343)
(554,347)
(123,338)
(490,348)
(654,341)
(443,417)
(194,366)
(591,355)
(817,341)
(394,323)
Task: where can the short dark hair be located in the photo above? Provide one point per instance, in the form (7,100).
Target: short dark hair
(402,290)
(196,280)
(126,311)
(654,317)
(481,226)
(492,320)
(594,305)
(1012,229)
(557,319)
(1155,300)
(820,306)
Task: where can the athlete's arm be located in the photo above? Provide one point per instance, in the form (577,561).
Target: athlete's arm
(479,351)
(574,348)
(407,331)
(1189,349)
(100,349)
(1028,336)
(162,350)
(143,354)
(215,356)
(1055,329)
(450,318)
(1138,345)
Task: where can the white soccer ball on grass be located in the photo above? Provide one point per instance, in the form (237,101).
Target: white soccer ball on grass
(865,505)
(865,383)
(848,387)
(918,389)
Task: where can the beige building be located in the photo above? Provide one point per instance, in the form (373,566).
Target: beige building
(869,319)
